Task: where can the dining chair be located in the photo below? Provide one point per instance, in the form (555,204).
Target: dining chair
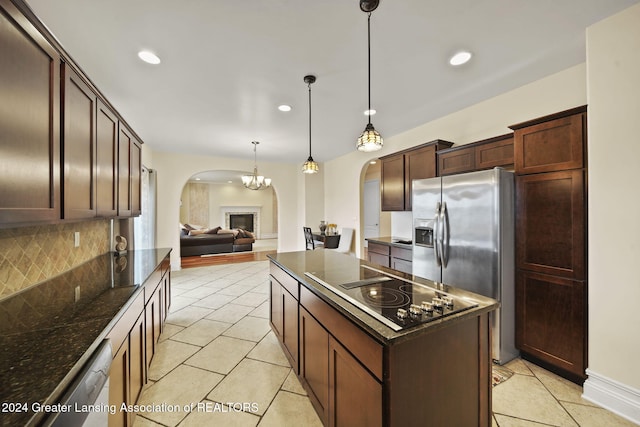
(310,243)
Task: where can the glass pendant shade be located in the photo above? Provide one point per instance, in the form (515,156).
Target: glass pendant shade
(370,139)
(310,166)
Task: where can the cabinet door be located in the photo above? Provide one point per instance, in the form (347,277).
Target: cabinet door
(498,153)
(456,161)
(30,130)
(125,140)
(276,309)
(79,147)
(153,314)
(551,320)
(550,221)
(290,327)
(551,145)
(355,396)
(136,178)
(314,362)
(418,164)
(119,386)
(106,161)
(392,187)
(137,359)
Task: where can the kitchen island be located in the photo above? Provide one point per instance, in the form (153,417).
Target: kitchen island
(49,331)
(374,370)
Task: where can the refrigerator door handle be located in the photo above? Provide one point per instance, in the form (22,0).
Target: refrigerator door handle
(436,235)
(444,250)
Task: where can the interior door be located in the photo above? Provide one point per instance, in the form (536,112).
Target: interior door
(371,200)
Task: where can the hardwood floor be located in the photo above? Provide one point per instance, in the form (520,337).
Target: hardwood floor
(198,261)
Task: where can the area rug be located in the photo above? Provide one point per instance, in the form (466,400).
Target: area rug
(500,374)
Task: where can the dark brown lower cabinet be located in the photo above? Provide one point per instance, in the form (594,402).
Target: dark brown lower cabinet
(284,315)
(551,321)
(355,396)
(379,254)
(314,362)
(119,385)
(134,340)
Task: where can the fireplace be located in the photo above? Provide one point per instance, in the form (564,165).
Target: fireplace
(246,217)
(244,221)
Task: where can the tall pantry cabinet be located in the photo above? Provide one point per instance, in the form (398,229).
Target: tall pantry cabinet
(551,252)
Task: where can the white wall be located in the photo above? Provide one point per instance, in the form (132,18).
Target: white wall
(613,68)
(345,175)
(174,169)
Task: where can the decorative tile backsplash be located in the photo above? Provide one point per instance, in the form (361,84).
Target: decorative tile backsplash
(29,255)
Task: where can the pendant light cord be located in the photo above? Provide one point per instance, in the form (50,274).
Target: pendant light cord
(369,61)
(309,85)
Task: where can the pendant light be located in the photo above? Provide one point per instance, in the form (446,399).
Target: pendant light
(370,139)
(310,166)
(255,181)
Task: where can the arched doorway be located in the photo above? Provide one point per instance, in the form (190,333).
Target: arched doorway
(216,200)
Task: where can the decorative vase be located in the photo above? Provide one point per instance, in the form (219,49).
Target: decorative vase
(323,227)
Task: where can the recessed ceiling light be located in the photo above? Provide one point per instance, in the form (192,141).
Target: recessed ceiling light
(229,182)
(284,107)
(372,162)
(197,179)
(460,58)
(370,112)
(149,57)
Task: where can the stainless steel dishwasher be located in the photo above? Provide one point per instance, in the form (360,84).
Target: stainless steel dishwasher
(90,390)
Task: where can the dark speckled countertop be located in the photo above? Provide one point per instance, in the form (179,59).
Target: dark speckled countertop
(343,268)
(391,241)
(46,335)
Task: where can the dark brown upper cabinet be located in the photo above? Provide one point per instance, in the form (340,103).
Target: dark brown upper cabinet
(106,161)
(79,147)
(400,169)
(129,173)
(30,129)
(552,143)
(485,154)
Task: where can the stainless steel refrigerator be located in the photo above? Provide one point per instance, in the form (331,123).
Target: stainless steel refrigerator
(464,237)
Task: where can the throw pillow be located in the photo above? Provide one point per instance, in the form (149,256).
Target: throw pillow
(214,230)
(197,232)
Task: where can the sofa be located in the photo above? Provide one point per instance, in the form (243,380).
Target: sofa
(195,241)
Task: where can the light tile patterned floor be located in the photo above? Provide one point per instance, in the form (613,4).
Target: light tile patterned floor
(218,355)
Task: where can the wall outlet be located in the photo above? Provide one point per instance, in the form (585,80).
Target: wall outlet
(76,239)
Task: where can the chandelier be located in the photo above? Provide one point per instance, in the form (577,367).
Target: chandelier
(310,166)
(255,181)
(370,139)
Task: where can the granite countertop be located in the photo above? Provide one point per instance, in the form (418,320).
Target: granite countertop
(392,241)
(345,268)
(49,331)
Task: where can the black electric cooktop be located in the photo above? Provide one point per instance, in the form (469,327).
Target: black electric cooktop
(396,302)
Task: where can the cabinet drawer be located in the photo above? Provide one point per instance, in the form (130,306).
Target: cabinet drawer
(288,282)
(363,347)
(377,248)
(402,253)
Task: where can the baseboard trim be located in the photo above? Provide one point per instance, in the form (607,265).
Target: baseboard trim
(613,395)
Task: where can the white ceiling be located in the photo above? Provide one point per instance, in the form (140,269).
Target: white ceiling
(227,64)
